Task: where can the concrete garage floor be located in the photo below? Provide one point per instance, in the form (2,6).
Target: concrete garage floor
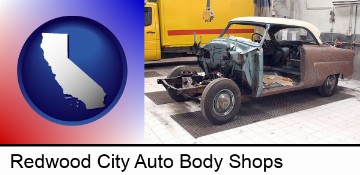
(296,117)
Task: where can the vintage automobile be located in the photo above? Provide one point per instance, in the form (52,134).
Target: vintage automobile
(288,55)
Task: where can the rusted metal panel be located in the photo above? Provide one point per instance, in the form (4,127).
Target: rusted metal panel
(321,61)
(283,89)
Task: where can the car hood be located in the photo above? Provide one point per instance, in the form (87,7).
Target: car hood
(238,44)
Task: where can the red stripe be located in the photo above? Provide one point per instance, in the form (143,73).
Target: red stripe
(207,31)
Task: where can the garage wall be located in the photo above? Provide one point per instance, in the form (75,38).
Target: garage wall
(317,12)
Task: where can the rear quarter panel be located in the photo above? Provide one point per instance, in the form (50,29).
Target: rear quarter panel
(322,61)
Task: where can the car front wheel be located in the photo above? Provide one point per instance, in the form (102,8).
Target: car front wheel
(220,101)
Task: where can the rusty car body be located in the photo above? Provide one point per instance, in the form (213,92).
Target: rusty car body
(288,55)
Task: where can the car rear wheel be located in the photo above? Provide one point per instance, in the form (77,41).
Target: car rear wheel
(220,101)
(328,88)
(175,72)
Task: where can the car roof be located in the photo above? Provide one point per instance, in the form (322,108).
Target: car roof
(280,21)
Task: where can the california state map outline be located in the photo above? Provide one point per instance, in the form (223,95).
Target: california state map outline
(73,81)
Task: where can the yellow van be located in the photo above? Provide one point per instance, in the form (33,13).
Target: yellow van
(170,25)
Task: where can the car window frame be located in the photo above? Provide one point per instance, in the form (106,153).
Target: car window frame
(272,33)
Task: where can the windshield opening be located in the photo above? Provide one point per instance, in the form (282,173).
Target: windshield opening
(244,32)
